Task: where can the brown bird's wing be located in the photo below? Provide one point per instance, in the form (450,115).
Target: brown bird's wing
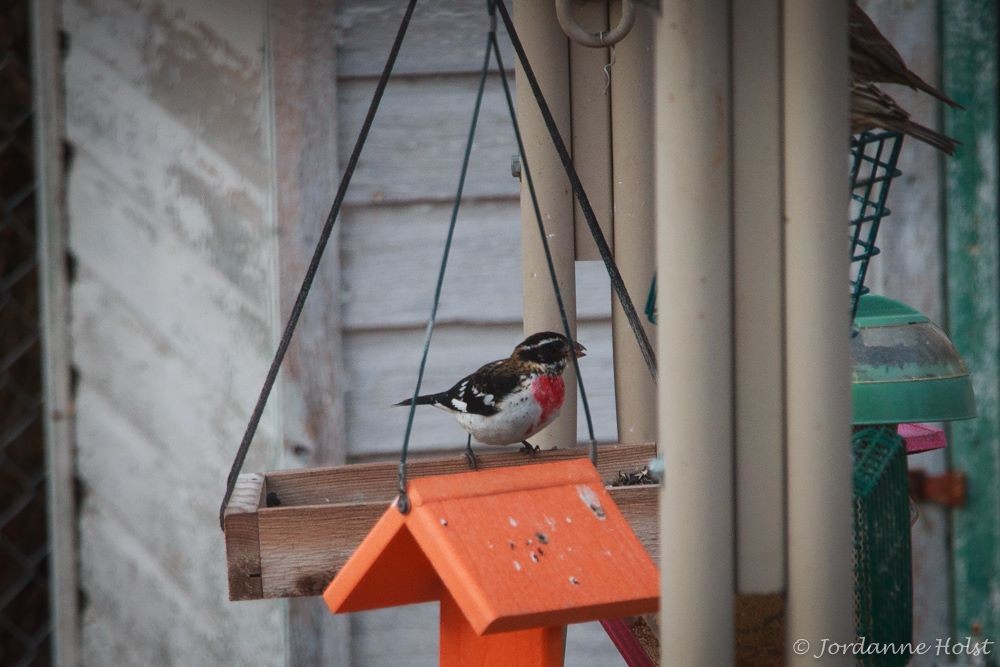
(872,108)
(874,58)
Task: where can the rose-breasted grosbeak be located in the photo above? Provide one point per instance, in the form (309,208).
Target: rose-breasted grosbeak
(509,400)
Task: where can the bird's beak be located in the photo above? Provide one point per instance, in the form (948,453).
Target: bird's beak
(580,350)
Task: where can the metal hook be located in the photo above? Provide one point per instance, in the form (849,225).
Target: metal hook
(607,69)
(403,502)
(564,12)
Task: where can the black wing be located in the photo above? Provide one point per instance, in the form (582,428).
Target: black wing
(480,392)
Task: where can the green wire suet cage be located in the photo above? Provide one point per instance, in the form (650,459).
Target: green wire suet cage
(873,167)
(883,585)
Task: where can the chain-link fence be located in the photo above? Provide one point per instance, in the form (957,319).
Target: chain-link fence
(24,604)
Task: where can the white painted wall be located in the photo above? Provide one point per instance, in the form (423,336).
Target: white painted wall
(169,200)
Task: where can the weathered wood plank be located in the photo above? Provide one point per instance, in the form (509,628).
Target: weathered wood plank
(415,148)
(243,538)
(170,215)
(973,284)
(366,482)
(159,53)
(324,513)
(302,548)
(121,627)
(387,247)
(445,36)
(54,314)
(304,67)
(383,368)
(177,409)
(110,232)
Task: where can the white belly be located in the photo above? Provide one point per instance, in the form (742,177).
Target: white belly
(519,419)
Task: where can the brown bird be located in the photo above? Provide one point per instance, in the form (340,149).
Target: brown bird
(874,58)
(872,108)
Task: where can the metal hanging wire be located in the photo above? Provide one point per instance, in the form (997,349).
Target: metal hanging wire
(617,283)
(307,281)
(403,502)
(614,275)
(491,47)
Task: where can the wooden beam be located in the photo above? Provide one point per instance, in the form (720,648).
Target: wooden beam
(973,294)
(296,548)
(377,481)
(243,539)
(304,73)
(53,290)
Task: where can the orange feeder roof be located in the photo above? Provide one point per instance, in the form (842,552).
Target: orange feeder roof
(517,548)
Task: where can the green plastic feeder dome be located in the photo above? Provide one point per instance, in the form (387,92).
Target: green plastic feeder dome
(905,368)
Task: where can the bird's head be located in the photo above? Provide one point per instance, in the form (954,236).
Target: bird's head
(547,348)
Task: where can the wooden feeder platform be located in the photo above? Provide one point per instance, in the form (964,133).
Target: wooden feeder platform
(317,517)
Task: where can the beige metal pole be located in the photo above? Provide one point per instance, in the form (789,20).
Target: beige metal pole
(694,233)
(548,52)
(758,288)
(820,581)
(591,121)
(635,249)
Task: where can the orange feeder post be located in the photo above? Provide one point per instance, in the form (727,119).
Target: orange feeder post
(513,555)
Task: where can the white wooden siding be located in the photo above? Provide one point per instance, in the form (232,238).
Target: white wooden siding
(169,204)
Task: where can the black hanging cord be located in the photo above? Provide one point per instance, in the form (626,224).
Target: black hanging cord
(545,243)
(588,212)
(403,502)
(307,281)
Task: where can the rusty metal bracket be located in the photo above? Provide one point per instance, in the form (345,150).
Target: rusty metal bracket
(947,489)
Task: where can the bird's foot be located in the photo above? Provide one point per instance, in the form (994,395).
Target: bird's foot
(528,448)
(470,456)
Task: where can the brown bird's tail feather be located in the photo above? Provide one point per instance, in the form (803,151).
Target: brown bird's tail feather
(875,59)
(871,107)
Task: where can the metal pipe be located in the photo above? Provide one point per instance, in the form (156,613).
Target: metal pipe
(603,38)
(591,131)
(548,52)
(820,578)
(694,246)
(634,210)
(758,287)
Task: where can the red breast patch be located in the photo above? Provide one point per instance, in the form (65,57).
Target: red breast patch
(549,391)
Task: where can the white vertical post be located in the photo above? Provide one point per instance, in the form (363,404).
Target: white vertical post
(758,292)
(634,204)
(548,52)
(820,580)
(591,122)
(694,257)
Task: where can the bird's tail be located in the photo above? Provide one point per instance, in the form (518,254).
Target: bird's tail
(427,399)
(925,134)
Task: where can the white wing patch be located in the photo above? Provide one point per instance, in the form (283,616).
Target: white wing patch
(459,405)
